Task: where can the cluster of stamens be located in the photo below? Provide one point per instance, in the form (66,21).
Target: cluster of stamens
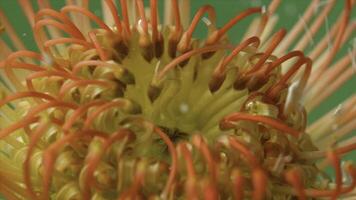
(144,111)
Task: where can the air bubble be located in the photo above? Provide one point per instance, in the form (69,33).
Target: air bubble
(183,108)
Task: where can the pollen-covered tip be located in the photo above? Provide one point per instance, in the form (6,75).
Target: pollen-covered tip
(134,108)
(183,44)
(147,48)
(159,47)
(240,82)
(225,124)
(127,77)
(172,47)
(153,92)
(255,82)
(173,40)
(216,82)
(121,50)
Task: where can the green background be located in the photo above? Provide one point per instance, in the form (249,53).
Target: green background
(289,12)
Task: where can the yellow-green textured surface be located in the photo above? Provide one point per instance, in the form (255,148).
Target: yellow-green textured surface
(289,13)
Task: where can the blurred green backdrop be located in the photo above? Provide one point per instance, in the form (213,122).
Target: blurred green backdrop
(289,12)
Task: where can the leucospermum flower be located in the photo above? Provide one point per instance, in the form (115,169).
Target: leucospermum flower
(135,109)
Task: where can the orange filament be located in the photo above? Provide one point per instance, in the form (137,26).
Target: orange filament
(219,71)
(61,17)
(293,177)
(20,124)
(203,148)
(305,62)
(154,20)
(30,116)
(191,174)
(100,110)
(94,160)
(210,191)
(346,148)
(10,62)
(115,14)
(189,33)
(221,32)
(24,53)
(11,76)
(34,111)
(87,13)
(131,193)
(63,74)
(178,24)
(259,178)
(174,165)
(27,66)
(102,54)
(251,159)
(141,11)
(254,41)
(274,90)
(66,87)
(50,154)
(272,46)
(34,137)
(238,185)
(86,63)
(187,55)
(125,16)
(283,59)
(20,95)
(335,161)
(188,159)
(52,42)
(228,120)
(48,22)
(80,111)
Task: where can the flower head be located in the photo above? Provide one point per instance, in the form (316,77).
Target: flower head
(132,108)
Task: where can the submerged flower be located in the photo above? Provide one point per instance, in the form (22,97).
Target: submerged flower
(135,109)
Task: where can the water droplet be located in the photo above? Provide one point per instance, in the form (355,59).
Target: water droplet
(184,108)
